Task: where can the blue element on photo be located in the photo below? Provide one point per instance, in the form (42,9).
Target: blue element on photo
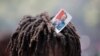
(60,25)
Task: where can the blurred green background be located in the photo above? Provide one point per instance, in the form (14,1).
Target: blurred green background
(85,13)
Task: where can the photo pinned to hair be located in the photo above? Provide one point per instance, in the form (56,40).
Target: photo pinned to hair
(61,20)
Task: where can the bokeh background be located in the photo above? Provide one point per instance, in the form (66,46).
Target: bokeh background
(85,13)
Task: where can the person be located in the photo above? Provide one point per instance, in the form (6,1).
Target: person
(35,37)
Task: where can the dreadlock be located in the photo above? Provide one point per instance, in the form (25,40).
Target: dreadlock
(36,37)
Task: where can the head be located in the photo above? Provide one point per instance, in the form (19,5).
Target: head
(36,37)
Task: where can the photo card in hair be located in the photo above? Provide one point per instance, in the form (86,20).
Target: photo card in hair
(61,19)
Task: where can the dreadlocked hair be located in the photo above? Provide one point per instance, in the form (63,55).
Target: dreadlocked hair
(35,36)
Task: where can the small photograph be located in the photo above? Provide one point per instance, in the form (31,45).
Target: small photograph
(59,22)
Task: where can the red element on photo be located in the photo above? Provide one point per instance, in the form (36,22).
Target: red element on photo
(59,16)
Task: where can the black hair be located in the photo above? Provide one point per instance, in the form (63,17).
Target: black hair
(35,36)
